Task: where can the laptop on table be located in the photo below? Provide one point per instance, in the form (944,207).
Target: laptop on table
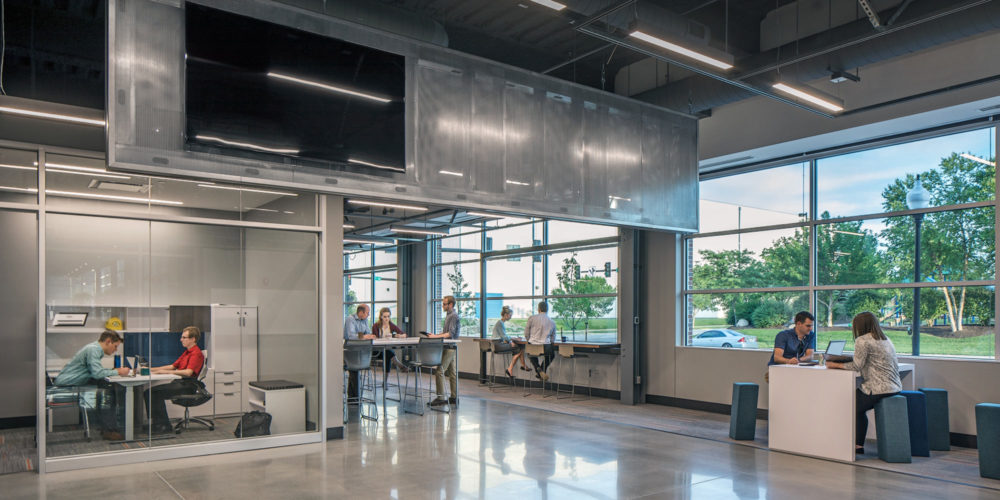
(835,352)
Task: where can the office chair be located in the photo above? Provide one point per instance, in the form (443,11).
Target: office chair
(64,397)
(358,358)
(198,396)
(427,355)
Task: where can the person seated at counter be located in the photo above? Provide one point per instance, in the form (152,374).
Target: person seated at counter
(85,368)
(384,328)
(540,329)
(356,328)
(795,344)
(875,360)
(188,366)
(505,344)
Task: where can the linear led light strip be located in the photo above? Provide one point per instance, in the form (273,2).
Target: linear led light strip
(367,242)
(88,174)
(418,231)
(130,199)
(550,4)
(808,97)
(249,190)
(247,145)
(51,116)
(390,205)
(852,233)
(350,226)
(484,214)
(980,160)
(672,47)
(518,183)
(326,86)
(17,167)
(375,165)
(449,172)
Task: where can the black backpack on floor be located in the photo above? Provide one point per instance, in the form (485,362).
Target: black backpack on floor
(254,423)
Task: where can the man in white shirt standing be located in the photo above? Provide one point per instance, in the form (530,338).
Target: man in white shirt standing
(540,329)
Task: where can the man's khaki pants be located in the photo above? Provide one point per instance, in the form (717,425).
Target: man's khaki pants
(447,368)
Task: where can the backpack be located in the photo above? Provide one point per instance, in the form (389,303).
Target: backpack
(254,423)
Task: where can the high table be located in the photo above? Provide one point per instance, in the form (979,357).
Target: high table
(407,343)
(130,384)
(592,347)
(811,409)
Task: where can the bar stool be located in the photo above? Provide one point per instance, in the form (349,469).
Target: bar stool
(533,350)
(505,352)
(427,355)
(484,348)
(358,358)
(568,352)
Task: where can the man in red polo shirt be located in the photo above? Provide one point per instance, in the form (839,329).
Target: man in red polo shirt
(188,366)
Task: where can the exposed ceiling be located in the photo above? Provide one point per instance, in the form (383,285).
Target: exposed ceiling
(376,222)
(55,48)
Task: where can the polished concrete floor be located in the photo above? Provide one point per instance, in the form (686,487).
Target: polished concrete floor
(489,449)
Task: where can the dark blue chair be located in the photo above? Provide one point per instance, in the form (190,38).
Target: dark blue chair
(988,439)
(938,424)
(743,413)
(892,429)
(916,414)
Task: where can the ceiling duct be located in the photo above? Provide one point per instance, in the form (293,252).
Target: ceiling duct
(852,45)
(379,16)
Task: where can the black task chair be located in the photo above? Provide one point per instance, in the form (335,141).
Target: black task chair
(197,396)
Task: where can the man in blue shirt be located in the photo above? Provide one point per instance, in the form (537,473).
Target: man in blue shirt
(795,344)
(356,328)
(86,369)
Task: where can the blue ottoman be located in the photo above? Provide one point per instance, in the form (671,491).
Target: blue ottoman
(892,428)
(938,426)
(916,413)
(743,414)
(988,439)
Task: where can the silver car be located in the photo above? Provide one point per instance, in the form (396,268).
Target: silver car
(723,337)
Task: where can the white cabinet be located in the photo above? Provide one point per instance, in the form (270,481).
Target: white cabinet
(233,340)
(285,401)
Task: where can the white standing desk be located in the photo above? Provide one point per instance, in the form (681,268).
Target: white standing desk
(811,409)
(130,383)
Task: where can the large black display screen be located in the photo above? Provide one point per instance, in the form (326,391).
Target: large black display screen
(261,90)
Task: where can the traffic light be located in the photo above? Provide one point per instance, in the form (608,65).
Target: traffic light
(607,269)
(576,272)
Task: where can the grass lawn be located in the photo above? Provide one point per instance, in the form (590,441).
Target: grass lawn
(930,345)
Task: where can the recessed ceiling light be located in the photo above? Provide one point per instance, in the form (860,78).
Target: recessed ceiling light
(249,190)
(389,205)
(432,232)
(326,86)
(550,4)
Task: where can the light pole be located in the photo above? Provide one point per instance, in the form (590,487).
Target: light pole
(917,198)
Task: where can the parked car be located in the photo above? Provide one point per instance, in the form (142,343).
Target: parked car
(723,337)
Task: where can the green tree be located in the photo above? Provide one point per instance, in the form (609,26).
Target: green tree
(728,269)
(955,245)
(460,290)
(576,310)
(846,254)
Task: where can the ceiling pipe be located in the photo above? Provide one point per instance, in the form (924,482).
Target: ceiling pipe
(849,46)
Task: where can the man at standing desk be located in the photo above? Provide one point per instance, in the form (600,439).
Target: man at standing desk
(356,328)
(85,369)
(540,329)
(795,344)
(452,327)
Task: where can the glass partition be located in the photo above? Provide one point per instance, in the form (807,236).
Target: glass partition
(215,321)
(18,176)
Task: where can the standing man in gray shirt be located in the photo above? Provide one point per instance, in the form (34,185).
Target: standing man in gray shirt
(452,326)
(540,329)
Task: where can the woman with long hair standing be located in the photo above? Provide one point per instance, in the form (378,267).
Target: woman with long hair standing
(875,360)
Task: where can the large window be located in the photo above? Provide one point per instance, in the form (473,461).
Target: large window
(370,278)
(520,262)
(836,236)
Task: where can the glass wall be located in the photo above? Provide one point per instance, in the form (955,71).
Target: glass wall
(251,294)
(520,262)
(746,277)
(371,278)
